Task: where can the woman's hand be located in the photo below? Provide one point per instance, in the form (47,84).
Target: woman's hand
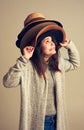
(28,52)
(65,43)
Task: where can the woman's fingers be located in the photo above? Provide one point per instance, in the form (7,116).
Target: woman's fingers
(28,52)
(65,43)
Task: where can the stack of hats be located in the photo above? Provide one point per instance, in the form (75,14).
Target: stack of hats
(36,27)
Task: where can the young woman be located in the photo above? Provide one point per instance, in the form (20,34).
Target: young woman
(40,72)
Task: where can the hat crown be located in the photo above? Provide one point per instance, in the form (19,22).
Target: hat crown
(33,17)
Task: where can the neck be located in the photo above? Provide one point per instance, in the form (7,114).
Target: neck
(46,58)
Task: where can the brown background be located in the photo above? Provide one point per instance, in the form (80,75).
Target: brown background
(12,14)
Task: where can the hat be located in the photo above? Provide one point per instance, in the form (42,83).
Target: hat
(54,32)
(35,25)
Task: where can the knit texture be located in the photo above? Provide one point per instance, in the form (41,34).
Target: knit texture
(34,90)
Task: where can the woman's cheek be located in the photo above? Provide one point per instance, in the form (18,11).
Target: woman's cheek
(46,51)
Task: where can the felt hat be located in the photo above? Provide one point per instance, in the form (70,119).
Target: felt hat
(35,25)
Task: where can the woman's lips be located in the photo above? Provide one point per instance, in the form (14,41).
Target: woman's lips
(52,49)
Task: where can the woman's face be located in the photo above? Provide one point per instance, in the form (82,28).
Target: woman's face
(48,47)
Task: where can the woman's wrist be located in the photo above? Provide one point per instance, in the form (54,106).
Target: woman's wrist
(24,58)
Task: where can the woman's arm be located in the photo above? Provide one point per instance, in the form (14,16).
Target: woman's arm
(13,77)
(73,61)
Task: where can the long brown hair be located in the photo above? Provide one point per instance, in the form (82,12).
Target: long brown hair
(39,63)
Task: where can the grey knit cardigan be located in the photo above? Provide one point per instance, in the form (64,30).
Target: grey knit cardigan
(34,90)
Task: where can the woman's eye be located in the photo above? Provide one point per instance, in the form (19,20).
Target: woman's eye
(47,41)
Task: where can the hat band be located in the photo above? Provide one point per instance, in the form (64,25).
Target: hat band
(33,20)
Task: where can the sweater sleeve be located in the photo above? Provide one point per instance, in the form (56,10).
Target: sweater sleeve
(73,60)
(13,77)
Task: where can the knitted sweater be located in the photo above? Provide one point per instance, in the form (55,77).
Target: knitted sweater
(34,90)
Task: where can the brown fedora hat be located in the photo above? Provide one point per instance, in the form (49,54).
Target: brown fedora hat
(52,30)
(35,25)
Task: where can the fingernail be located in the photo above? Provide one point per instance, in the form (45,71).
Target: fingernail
(32,48)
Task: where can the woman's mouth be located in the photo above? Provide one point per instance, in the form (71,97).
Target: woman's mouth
(52,49)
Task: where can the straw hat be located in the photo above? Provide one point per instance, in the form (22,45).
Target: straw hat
(35,25)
